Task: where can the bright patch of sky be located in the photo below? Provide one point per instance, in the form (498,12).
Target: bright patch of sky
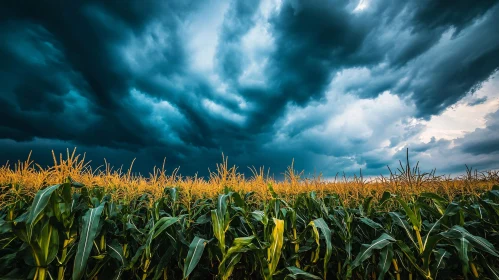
(363,4)
(464,117)
(154,42)
(219,110)
(202,32)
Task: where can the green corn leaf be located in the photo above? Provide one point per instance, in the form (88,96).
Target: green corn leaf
(238,200)
(385,197)
(5,226)
(157,208)
(61,205)
(440,256)
(493,271)
(260,217)
(233,255)
(339,225)
(163,263)
(451,210)
(457,232)
(430,243)
(296,273)
(116,252)
(41,201)
(385,261)
(220,220)
(491,208)
(440,202)
(163,224)
(155,231)
(222,204)
(367,206)
(371,224)
(271,190)
(410,256)
(430,209)
(45,245)
(462,247)
(326,232)
(136,257)
(368,249)
(194,255)
(90,226)
(218,229)
(229,265)
(291,214)
(315,234)
(240,245)
(489,267)
(401,222)
(275,205)
(414,218)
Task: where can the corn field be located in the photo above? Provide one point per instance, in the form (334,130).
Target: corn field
(71,222)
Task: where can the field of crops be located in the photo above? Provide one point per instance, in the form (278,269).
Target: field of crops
(71,222)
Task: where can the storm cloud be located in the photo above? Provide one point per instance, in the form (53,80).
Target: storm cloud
(334,85)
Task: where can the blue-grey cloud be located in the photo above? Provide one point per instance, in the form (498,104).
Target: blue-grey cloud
(118,80)
(478,101)
(483,140)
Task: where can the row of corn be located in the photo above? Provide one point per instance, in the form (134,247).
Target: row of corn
(69,231)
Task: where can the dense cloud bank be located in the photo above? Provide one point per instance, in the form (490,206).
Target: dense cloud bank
(336,85)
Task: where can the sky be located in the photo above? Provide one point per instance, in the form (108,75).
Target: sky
(336,86)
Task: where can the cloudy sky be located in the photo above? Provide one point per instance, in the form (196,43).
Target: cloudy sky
(336,85)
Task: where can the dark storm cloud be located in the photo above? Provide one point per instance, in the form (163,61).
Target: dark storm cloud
(429,19)
(117,80)
(85,43)
(433,53)
(237,22)
(308,51)
(65,78)
(69,70)
(459,14)
(449,79)
(483,140)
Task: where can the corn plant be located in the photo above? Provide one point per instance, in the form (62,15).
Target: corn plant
(74,231)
